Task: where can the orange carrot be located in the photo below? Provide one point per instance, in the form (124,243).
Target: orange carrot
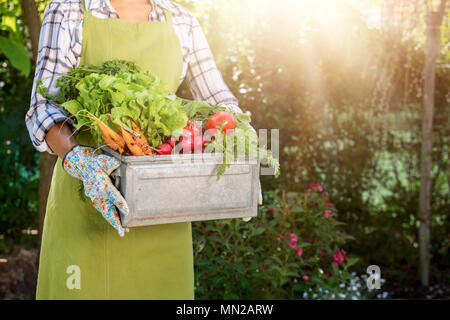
(135,127)
(110,143)
(141,140)
(112,138)
(131,143)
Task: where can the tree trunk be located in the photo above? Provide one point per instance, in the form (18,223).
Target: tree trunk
(434,20)
(46,161)
(31,15)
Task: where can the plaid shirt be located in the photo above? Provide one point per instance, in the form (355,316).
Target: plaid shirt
(60,49)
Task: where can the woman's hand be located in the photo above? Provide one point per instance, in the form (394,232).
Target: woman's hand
(93,170)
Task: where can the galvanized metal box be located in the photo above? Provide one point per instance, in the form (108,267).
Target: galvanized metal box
(162,189)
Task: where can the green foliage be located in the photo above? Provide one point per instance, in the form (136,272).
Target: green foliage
(347,98)
(19,170)
(284,252)
(18,159)
(17,54)
(68,84)
(12,38)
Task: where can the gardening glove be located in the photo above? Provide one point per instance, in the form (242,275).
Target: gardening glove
(82,163)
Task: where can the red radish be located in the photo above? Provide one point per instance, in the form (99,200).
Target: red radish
(172,142)
(164,149)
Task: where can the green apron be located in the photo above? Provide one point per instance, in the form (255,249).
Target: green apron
(153,262)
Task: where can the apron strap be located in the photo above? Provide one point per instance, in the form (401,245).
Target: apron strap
(83,7)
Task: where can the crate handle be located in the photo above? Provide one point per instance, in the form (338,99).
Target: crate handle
(116,176)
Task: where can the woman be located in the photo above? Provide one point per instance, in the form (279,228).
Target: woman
(82,257)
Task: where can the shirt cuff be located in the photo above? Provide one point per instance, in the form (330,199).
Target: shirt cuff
(43,119)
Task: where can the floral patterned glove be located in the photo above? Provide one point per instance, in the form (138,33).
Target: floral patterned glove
(93,170)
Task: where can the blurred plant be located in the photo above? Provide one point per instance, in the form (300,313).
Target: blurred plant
(12,37)
(346,93)
(294,245)
(19,172)
(351,287)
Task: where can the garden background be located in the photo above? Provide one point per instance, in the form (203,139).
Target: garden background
(346,83)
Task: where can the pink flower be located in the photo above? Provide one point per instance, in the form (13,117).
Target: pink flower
(339,257)
(316,186)
(293,244)
(308,191)
(299,252)
(327,213)
(281,237)
(293,237)
(329,205)
(305,277)
(322,253)
(271,211)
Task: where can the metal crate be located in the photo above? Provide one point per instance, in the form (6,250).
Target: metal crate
(162,189)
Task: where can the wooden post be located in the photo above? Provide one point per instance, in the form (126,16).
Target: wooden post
(433,25)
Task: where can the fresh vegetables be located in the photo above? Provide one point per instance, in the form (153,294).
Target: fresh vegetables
(135,114)
(222,117)
(164,149)
(141,141)
(116,90)
(240,140)
(113,140)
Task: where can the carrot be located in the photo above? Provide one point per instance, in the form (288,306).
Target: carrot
(113,140)
(110,143)
(136,128)
(141,140)
(131,143)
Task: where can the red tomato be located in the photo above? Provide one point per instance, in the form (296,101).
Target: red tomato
(216,120)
